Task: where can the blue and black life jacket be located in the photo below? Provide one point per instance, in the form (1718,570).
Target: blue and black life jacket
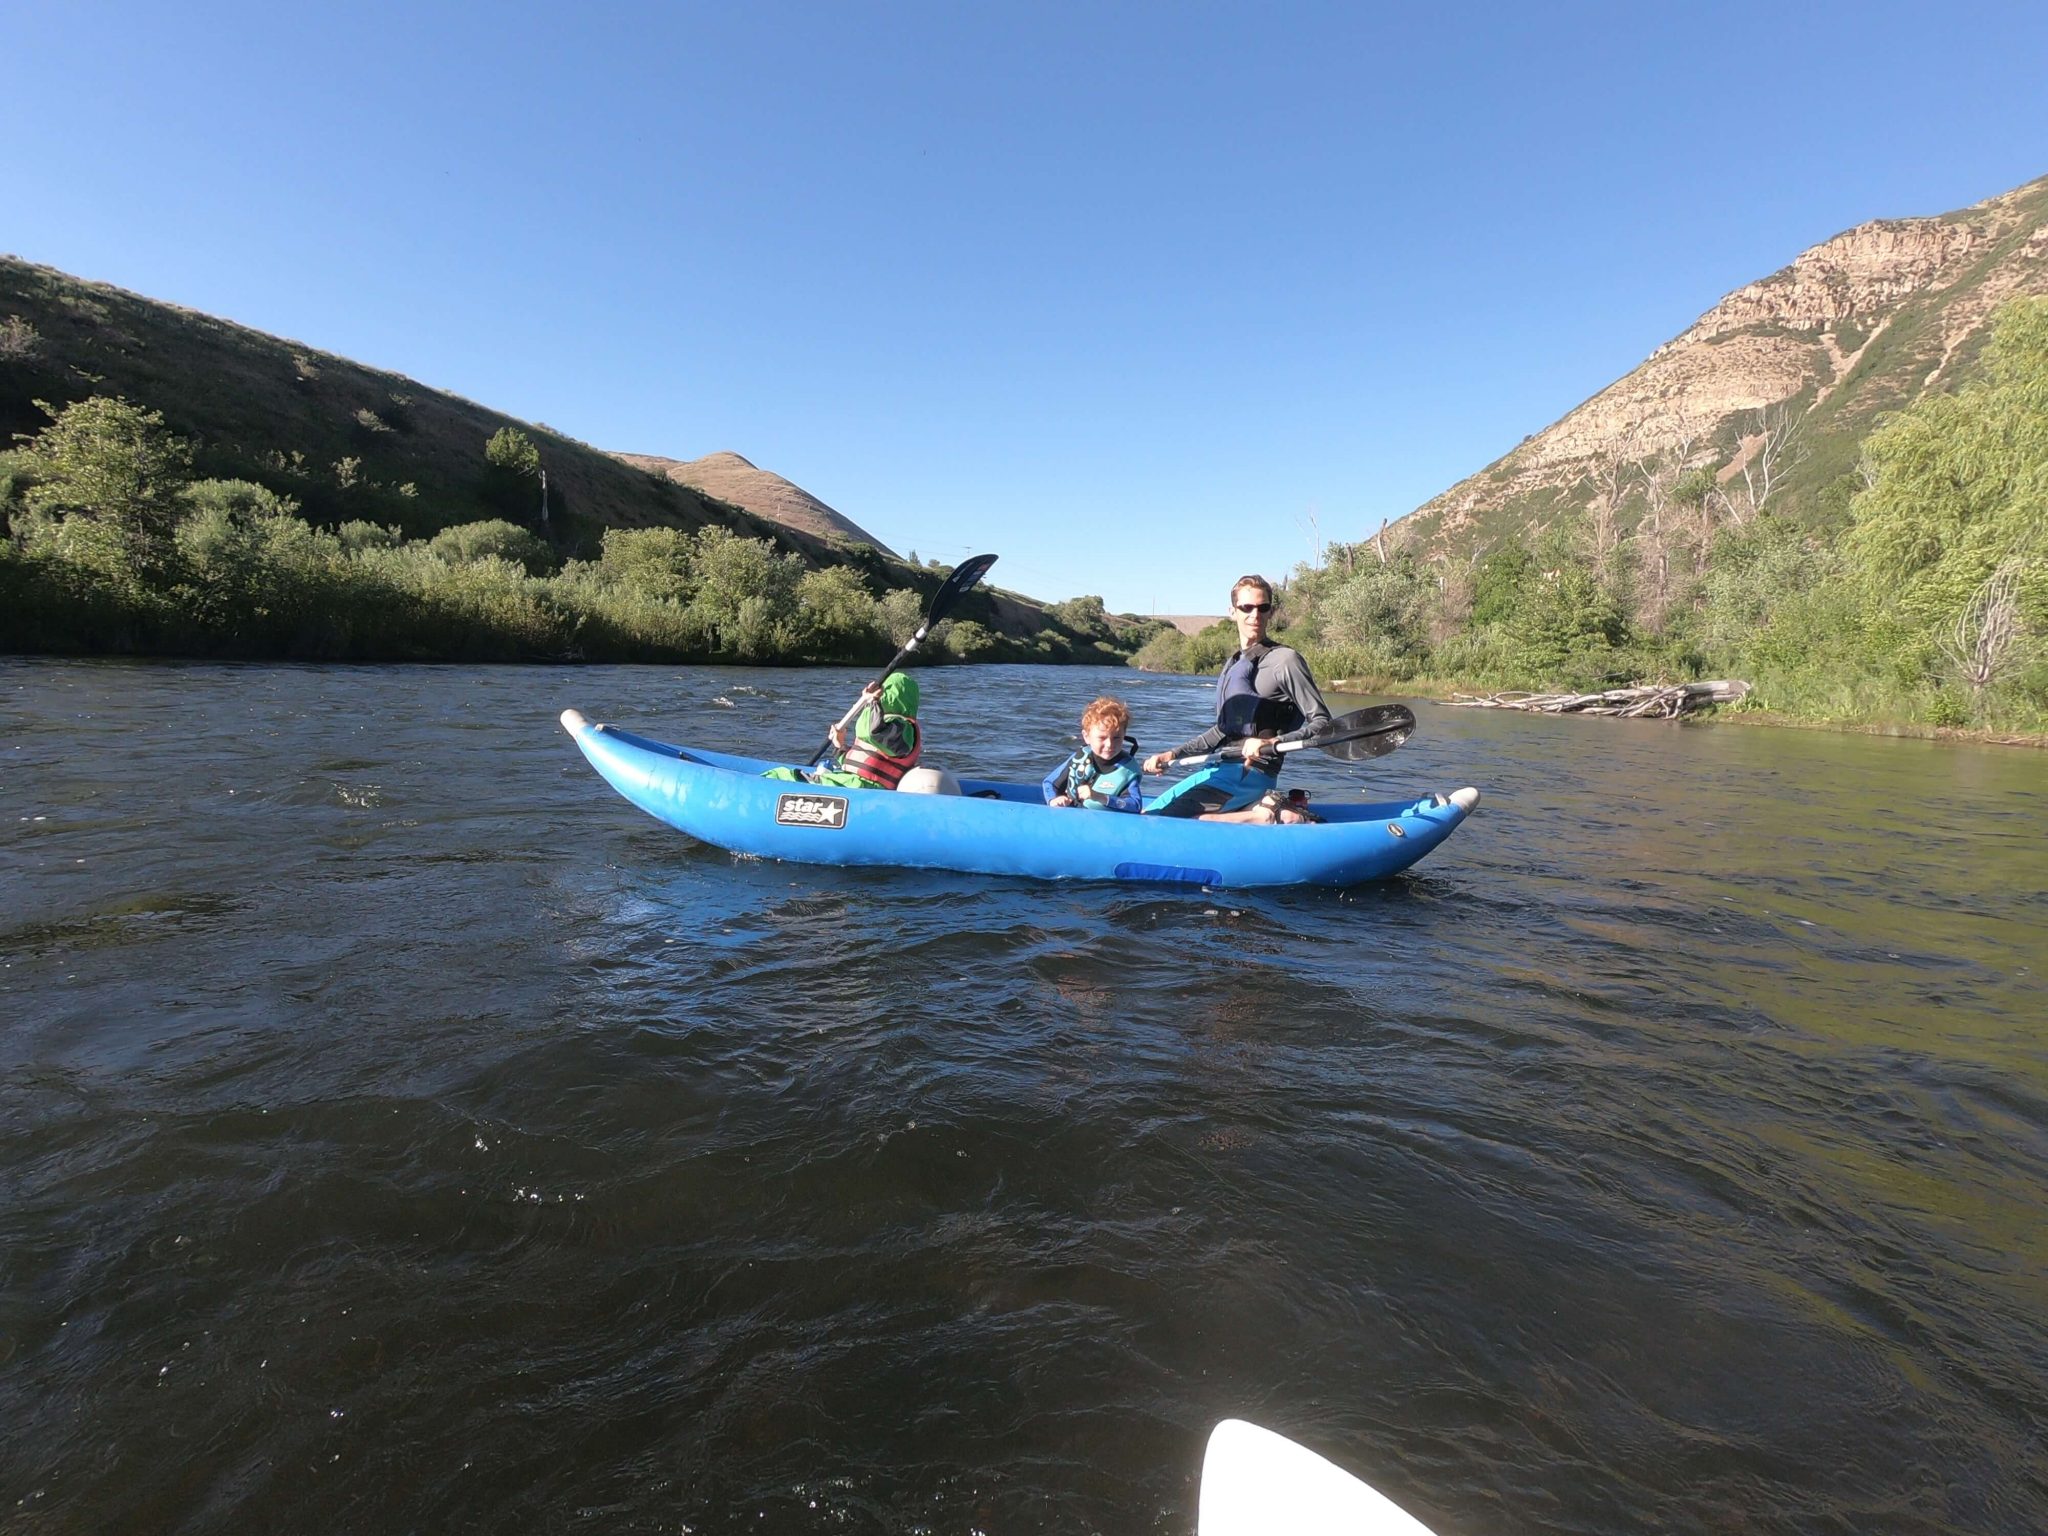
(1123,771)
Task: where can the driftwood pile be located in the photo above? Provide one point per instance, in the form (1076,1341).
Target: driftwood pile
(1660,701)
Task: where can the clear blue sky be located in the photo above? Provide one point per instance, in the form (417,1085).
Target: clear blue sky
(1128,293)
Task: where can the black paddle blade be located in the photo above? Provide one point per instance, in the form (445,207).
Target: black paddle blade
(1366,733)
(1376,745)
(964,579)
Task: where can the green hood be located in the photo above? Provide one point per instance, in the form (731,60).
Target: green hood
(899,694)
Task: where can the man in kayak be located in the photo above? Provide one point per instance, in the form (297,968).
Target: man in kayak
(886,742)
(1264,696)
(1103,775)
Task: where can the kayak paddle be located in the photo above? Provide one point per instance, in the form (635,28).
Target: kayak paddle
(964,578)
(1349,738)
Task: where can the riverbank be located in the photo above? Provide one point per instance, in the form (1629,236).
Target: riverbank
(1903,730)
(1440,692)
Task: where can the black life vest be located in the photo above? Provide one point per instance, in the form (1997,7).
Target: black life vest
(1241,710)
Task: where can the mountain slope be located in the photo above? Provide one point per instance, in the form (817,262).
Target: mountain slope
(732,479)
(354,443)
(346,441)
(1856,327)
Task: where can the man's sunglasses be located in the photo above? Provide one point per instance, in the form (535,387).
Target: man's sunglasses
(1254,607)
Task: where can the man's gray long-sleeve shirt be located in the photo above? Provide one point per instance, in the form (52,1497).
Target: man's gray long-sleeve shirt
(1286,692)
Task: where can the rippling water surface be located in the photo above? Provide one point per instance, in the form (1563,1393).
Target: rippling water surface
(398,1131)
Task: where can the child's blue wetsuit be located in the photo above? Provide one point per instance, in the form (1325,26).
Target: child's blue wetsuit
(1225,786)
(1115,785)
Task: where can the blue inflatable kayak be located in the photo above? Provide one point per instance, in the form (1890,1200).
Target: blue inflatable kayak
(1002,829)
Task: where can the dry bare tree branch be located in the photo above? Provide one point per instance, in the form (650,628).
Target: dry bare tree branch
(1659,477)
(1779,450)
(1985,638)
(1665,701)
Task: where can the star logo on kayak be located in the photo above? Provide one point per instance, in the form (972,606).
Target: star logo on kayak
(810,811)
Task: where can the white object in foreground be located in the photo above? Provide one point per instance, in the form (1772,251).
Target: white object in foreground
(928,781)
(1257,1483)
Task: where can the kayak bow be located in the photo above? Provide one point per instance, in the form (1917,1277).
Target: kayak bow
(1255,1483)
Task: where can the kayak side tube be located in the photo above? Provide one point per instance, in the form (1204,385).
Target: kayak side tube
(1002,829)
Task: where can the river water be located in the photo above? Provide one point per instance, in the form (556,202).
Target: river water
(399,1132)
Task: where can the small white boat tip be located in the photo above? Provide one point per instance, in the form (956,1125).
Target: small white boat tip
(1255,1482)
(1465,799)
(573,722)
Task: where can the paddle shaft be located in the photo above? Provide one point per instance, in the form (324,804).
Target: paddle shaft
(847,719)
(964,578)
(1363,733)
(1216,757)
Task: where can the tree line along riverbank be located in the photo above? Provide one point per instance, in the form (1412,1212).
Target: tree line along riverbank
(112,546)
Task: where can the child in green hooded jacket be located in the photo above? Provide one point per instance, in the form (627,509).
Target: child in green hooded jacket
(886,742)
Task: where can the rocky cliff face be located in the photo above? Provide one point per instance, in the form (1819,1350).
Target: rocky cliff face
(1856,326)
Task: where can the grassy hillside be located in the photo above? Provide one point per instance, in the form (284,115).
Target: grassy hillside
(344,440)
(730,478)
(350,444)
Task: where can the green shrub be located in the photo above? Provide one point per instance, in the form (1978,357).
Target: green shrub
(969,641)
(356,536)
(1377,661)
(511,450)
(839,616)
(1950,707)
(16,476)
(112,472)
(1382,610)
(257,581)
(1209,649)
(493,539)
(899,613)
(1084,616)
(658,563)
(511,480)
(1500,583)
(1166,651)
(746,596)
(1489,652)
(1569,627)
(20,342)
(1959,486)
(237,498)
